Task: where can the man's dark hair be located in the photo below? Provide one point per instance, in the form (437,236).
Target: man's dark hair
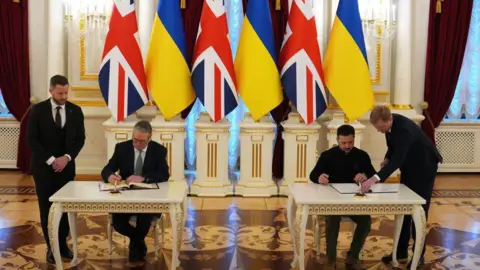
(58,80)
(345,130)
(143,126)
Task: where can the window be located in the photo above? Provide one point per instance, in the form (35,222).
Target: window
(3,107)
(465,105)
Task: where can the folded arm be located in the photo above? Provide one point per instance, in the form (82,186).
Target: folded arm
(319,169)
(33,137)
(397,158)
(112,165)
(79,140)
(161,172)
(368,168)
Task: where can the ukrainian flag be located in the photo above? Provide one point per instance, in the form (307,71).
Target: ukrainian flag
(258,80)
(346,67)
(167,67)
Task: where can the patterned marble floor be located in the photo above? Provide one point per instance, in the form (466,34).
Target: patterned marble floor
(240,233)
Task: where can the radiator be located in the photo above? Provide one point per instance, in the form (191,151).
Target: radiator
(459,144)
(9,133)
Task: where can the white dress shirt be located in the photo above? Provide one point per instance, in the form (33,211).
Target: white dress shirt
(63,115)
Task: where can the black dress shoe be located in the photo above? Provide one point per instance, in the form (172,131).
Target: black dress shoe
(49,258)
(387,259)
(66,253)
(420,263)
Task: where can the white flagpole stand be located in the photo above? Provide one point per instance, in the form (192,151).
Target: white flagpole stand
(212,158)
(300,150)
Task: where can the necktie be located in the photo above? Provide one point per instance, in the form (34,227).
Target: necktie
(139,163)
(58,117)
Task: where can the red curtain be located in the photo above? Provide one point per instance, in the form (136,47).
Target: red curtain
(14,69)
(280,113)
(447,39)
(191,19)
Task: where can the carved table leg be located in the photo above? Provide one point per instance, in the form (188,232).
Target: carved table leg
(176,216)
(300,226)
(72,218)
(319,235)
(290,212)
(420,223)
(396,237)
(54,217)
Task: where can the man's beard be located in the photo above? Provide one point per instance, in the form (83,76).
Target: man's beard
(347,150)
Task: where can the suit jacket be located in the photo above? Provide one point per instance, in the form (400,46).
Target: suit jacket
(409,150)
(40,127)
(155,167)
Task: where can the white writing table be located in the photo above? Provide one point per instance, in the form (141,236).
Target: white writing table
(323,200)
(86,197)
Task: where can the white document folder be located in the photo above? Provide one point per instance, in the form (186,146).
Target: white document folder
(351,188)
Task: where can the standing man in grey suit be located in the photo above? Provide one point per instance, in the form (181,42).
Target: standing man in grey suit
(56,134)
(411,151)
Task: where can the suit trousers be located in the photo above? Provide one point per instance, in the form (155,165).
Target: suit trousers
(333,228)
(422,184)
(46,184)
(121,223)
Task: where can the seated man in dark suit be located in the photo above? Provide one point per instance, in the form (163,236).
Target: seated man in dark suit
(344,164)
(138,160)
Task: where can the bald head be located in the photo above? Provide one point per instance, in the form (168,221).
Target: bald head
(381,118)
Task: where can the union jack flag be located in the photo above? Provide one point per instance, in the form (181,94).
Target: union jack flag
(213,75)
(122,75)
(301,63)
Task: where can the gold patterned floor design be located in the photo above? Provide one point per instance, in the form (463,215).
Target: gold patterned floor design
(240,233)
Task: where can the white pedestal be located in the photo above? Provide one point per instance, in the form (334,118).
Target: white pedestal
(300,150)
(118,132)
(212,158)
(256,141)
(171,134)
(339,120)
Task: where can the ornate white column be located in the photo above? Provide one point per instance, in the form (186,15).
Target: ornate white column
(300,150)
(256,141)
(403,57)
(339,120)
(146,15)
(56,39)
(212,158)
(171,134)
(118,132)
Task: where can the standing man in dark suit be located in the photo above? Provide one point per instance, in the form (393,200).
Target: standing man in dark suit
(411,151)
(138,160)
(56,134)
(344,164)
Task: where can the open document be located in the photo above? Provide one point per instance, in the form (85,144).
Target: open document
(352,188)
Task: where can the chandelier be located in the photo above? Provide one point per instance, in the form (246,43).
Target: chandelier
(378,19)
(86,17)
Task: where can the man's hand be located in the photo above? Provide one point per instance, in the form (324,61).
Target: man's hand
(135,179)
(360,177)
(323,179)
(114,178)
(367,185)
(384,163)
(59,163)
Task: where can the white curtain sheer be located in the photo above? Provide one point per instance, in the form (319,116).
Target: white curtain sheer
(466,101)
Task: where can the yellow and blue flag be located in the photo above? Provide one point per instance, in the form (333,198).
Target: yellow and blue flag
(167,67)
(346,67)
(258,79)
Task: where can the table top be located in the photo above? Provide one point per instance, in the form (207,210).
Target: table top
(311,193)
(89,191)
